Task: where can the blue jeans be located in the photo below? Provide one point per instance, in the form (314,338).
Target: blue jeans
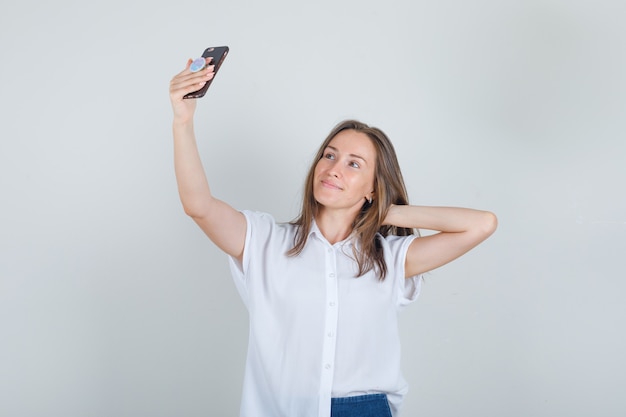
(371,405)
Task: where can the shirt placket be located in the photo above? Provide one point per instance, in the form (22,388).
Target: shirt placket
(330,331)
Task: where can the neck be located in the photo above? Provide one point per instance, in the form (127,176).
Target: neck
(335,225)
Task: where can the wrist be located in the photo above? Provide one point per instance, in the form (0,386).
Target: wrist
(183,113)
(182,122)
(388,220)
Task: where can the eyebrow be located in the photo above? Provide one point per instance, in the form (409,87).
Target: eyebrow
(352,154)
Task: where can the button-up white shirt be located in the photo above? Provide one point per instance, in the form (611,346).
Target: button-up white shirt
(317,331)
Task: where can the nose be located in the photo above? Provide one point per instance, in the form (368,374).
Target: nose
(335,170)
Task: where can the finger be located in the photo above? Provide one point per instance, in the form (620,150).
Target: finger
(186,70)
(189,85)
(179,94)
(185,77)
(207,61)
(187,82)
(187,73)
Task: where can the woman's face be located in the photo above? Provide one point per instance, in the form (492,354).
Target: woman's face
(344,176)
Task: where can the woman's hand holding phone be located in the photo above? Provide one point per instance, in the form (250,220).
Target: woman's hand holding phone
(184,83)
(194,81)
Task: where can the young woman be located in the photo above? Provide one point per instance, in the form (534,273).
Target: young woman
(323,291)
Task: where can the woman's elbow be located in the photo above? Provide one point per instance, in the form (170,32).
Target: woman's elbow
(488,224)
(195,211)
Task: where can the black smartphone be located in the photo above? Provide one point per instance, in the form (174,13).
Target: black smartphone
(218,53)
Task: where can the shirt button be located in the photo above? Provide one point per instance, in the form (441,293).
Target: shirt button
(331,275)
(327,366)
(330,334)
(332,304)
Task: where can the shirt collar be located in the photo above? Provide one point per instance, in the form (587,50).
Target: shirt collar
(315,230)
(317,233)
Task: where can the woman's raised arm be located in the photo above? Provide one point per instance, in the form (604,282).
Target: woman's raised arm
(224,225)
(461,229)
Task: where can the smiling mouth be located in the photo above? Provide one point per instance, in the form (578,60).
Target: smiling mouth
(330,185)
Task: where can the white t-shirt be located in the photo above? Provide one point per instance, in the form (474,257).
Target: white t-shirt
(317,331)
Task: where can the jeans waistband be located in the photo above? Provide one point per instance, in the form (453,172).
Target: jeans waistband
(358,399)
(370,405)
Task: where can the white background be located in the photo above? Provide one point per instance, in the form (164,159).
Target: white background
(113,303)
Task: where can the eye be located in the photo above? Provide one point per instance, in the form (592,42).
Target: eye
(354,164)
(329,155)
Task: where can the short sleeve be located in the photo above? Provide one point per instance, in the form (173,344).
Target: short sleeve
(258,229)
(408,288)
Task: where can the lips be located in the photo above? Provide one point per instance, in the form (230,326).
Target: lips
(331,185)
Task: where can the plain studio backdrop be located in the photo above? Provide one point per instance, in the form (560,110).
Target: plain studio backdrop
(113,303)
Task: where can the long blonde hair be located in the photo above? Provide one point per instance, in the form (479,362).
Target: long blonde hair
(389,189)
